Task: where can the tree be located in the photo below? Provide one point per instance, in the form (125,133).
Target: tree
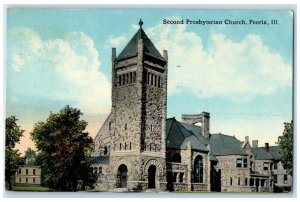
(62,145)
(13,133)
(286,147)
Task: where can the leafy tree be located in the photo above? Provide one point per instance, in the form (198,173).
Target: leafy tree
(62,145)
(13,133)
(286,147)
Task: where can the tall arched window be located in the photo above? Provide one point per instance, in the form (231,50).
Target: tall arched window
(152,78)
(159,82)
(134,77)
(198,169)
(130,80)
(123,82)
(105,150)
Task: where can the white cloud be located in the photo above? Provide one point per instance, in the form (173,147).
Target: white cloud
(238,70)
(65,69)
(117,40)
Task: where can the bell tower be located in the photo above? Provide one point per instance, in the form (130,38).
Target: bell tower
(139,102)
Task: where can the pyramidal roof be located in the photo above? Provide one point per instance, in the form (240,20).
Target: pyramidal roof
(131,48)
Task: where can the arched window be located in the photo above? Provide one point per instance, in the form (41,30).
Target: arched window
(134,77)
(125,145)
(198,169)
(148,78)
(152,79)
(155,81)
(130,146)
(127,78)
(125,126)
(123,83)
(120,146)
(109,126)
(130,80)
(159,82)
(105,150)
(120,80)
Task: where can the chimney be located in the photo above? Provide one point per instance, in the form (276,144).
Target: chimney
(113,54)
(267,146)
(247,139)
(254,143)
(205,124)
(202,118)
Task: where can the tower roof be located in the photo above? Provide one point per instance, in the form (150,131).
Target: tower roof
(131,48)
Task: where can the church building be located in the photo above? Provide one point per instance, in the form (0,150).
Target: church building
(138,148)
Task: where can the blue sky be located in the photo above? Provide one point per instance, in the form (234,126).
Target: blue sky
(241,74)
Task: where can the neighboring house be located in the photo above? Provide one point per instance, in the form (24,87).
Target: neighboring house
(28,175)
(282,180)
(138,148)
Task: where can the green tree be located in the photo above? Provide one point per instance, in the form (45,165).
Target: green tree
(62,145)
(13,133)
(286,147)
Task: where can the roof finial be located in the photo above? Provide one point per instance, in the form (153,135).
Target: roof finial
(141,23)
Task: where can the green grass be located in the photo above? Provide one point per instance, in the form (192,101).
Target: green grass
(31,188)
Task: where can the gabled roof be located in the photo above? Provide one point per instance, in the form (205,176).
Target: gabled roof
(261,154)
(178,136)
(222,145)
(131,48)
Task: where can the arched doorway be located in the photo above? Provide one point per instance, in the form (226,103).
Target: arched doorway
(198,169)
(122,176)
(151,177)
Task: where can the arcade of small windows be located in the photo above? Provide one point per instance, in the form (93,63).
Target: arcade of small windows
(178,177)
(151,147)
(97,170)
(125,146)
(127,78)
(154,80)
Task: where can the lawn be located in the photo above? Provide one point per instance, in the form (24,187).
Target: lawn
(31,188)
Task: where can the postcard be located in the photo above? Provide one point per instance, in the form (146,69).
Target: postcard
(149,100)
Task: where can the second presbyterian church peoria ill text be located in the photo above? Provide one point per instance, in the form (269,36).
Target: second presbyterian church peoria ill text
(221,22)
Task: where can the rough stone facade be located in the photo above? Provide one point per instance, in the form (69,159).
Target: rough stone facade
(138,148)
(132,137)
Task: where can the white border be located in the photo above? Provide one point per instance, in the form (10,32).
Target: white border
(205,4)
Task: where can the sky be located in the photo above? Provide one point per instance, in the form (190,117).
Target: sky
(241,74)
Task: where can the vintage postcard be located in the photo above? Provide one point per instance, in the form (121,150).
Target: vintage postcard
(149,100)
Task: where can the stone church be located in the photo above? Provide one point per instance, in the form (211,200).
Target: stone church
(139,148)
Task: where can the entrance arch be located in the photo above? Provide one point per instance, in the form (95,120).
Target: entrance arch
(151,177)
(122,176)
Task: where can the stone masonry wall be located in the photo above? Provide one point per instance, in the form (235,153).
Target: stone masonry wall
(233,178)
